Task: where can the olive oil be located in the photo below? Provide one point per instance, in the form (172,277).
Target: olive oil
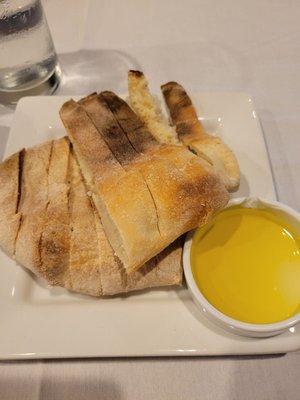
(247,265)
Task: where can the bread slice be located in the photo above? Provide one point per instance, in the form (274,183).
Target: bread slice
(55,238)
(33,206)
(121,197)
(143,103)
(107,126)
(10,186)
(191,132)
(94,269)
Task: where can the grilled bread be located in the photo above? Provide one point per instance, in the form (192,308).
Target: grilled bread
(103,211)
(50,224)
(189,129)
(192,133)
(144,200)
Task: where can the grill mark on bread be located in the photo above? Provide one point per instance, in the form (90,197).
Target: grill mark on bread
(109,129)
(138,135)
(90,147)
(184,129)
(55,241)
(119,131)
(192,133)
(111,99)
(182,112)
(136,73)
(182,101)
(32,206)
(168,87)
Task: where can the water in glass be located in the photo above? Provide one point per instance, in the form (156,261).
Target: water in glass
(27,54)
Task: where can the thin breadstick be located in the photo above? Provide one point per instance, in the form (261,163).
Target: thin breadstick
(192,133)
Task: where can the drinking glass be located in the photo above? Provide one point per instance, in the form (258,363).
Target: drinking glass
(28,61)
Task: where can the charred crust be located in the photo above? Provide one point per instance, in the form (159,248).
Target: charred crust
(167,87)
(132,126)
(113,101)
(183,129)
(52,249)
(176,98)
(114,136)
(138,74)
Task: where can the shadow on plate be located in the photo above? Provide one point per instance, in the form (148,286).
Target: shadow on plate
(87,71)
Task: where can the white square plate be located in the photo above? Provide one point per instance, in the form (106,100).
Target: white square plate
(42,322)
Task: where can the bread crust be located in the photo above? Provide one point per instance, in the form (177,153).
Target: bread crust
(33,206)
(10,177)
(192,133)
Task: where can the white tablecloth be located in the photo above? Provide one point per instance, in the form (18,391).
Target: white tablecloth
(225,45)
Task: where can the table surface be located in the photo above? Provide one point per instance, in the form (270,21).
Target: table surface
(208,45)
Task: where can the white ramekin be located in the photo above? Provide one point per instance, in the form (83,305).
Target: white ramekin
(230,324)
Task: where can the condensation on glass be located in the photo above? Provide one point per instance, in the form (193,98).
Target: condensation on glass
(28,61)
